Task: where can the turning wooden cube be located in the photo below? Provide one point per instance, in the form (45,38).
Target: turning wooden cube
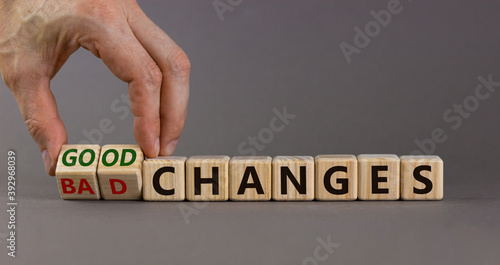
(250,178)
(293,178)
(76,172)
(378,177)
(163,178)
(119,172)
(336,177)
(421,178)
(207,178)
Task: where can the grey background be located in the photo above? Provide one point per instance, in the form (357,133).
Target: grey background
(271,54)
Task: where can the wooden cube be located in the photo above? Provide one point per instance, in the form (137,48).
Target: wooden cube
(119,172)
(421,178)
(293,178)
(250,178)
(207,178)
(378,177)
(163,178)
(76,172)
(336,177)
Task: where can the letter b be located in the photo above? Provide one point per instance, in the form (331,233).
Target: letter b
(383,17)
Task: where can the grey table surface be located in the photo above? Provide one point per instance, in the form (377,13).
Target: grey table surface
(267,55)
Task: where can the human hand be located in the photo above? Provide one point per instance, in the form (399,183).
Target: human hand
(38,36)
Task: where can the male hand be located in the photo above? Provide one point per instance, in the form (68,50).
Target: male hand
(38,36)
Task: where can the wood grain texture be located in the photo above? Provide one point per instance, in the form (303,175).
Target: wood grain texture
(203,167)
(332,183)
(254,171)
(109,173)
(77,172)
(302,169)
(425,183)
(385,170)
(174,182)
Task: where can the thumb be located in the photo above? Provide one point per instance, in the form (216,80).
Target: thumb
(39,109)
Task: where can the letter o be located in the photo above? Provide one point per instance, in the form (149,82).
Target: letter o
(269,133)
(471,103)
(91,160)
(105,155)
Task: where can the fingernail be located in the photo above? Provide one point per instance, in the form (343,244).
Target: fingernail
(46,160)
(157,146)
(169,150)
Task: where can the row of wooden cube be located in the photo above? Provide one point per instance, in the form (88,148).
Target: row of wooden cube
(119,172)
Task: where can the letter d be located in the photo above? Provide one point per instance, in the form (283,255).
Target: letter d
(112,183)
(361,40)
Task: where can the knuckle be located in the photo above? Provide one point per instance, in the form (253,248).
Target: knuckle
(178,62)
(35,128)
(153,74)
(147,84)
(147,88)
